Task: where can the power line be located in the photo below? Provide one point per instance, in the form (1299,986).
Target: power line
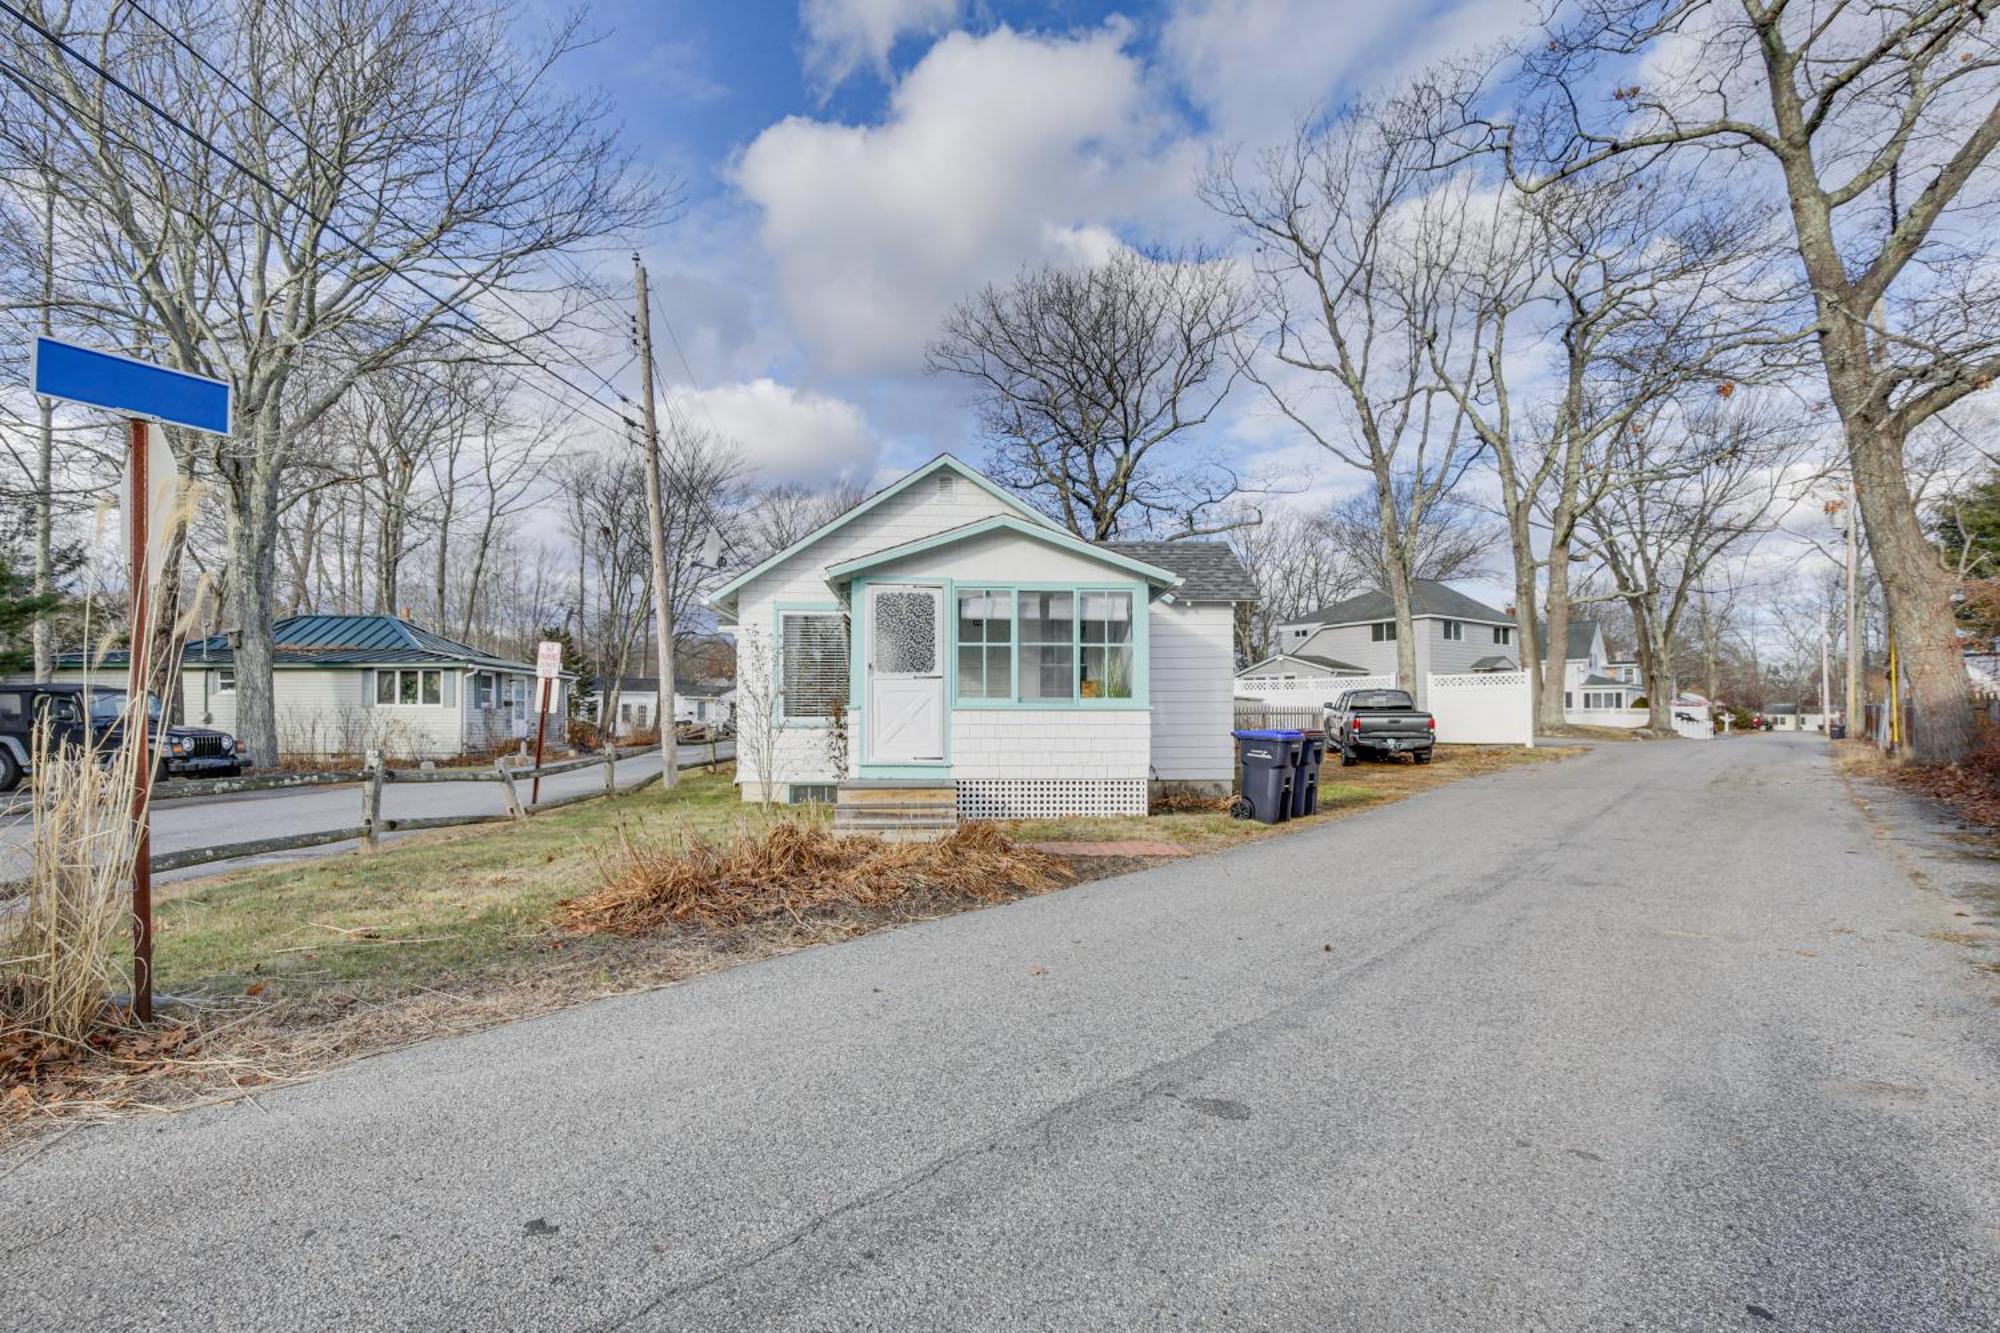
(455,306)
(315,153)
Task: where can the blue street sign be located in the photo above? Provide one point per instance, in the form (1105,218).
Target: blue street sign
(134,388)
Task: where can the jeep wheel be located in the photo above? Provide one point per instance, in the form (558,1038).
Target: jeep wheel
(10,770)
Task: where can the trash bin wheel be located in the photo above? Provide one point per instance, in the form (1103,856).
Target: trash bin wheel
(1240,807)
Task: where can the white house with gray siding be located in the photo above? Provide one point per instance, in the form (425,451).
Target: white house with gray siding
(944,631)
(343,685)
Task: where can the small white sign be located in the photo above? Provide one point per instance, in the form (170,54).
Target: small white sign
(548,660)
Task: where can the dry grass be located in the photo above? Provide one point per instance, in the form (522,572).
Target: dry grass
(798,872)
(287,970)
(1971,788)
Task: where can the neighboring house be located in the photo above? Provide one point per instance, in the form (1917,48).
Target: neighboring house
(1296,666)
(342,685)
(965,639)
(639,700)
(1599,690)
(1783,717)
(1455,633)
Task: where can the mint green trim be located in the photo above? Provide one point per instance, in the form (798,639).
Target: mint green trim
(1142,647)
(1001,522)
(779,610)
(721,599)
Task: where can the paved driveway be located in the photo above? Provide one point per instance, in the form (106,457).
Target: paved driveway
(1652,1039)
(203,822)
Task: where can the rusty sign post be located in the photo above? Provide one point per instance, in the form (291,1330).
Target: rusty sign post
(141,393)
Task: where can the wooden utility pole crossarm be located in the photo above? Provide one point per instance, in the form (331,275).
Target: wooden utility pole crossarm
(656,529)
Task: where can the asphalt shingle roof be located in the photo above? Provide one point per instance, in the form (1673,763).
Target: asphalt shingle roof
(1495,664)
(1210,571)
(1581,632)
(1428,597)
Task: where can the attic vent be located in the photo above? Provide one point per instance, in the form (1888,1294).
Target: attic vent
(947,485)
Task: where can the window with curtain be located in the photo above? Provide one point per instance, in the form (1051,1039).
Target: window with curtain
(812,655)
(985,644)
(1048,647)
(1104,634)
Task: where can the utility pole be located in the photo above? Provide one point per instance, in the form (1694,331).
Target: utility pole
(1825,671)
(1854,632)
(656,531)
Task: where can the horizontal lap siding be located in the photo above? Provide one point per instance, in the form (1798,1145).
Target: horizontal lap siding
(1192,652)
(1050,743)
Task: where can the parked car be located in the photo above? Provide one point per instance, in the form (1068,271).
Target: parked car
(94,715)
(1378,723)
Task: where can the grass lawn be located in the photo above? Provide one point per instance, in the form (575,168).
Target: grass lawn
(282,971)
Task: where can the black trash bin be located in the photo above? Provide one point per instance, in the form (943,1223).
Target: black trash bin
(1837,731)
(1270,767)
(1305,782)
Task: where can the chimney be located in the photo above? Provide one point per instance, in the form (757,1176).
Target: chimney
(406,612)
(1510,608)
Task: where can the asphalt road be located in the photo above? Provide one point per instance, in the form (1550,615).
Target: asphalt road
(1657,1038)
(205,822)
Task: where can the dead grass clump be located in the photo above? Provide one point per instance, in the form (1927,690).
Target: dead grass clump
(796,870)
(1971,786)
(1188,803)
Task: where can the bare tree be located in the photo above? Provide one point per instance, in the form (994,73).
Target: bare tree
(1660,539)
(1878,121)
(789,511)
(1299,567)
(1350,302)
(1083,377)
(374,168)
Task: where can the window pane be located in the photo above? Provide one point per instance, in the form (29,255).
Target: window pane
(433,687)
(999,673)
(813,664)
(406,687)
(1045,617)
(971,672)
(985,616)
(905,629)
(1106,673)
(1046,672)
(385,687)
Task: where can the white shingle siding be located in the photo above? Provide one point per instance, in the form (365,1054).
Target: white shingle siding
(1050,743)
(1192,651)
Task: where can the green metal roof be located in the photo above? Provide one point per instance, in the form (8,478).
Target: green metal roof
(321,641)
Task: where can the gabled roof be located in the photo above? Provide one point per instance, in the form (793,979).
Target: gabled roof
(1580,635)
(1046,533)
(1333,664)
(1428,597)
(1607,683)
(1210,571)
(724,598)
(321,641)
(1496,663)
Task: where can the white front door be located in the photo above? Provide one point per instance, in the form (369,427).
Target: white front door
(905,703)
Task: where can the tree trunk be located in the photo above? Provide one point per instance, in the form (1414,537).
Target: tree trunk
(252,566)
(1556,655)
(1527,640)
(43,632)
(1917,590)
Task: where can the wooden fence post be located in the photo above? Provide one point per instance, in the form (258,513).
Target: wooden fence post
(371,797)
(514,807)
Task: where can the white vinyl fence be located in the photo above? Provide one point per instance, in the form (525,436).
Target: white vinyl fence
(1472,708)
(1482,708)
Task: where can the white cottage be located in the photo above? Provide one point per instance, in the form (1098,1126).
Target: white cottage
(342,685)
(944,633)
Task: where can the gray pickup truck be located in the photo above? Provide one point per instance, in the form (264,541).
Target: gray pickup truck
(1379,723)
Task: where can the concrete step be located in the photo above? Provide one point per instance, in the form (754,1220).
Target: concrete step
(931,794)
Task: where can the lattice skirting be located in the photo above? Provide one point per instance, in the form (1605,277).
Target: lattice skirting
(1047,798)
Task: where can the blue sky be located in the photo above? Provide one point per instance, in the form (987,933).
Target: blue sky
(853,167)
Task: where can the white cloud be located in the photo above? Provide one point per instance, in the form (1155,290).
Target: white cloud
(843,36)
(997,150)
(787,433)
(1255,66)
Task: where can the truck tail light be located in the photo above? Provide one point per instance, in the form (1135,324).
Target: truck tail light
(1357,726)
(1432,723)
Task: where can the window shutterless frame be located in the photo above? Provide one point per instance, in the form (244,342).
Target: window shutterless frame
(1140,637)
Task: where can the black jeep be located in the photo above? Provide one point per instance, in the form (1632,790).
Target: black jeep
(93,716)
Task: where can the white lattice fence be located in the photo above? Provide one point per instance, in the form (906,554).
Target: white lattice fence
(1049,798)
(1482,708)
(1309,693)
